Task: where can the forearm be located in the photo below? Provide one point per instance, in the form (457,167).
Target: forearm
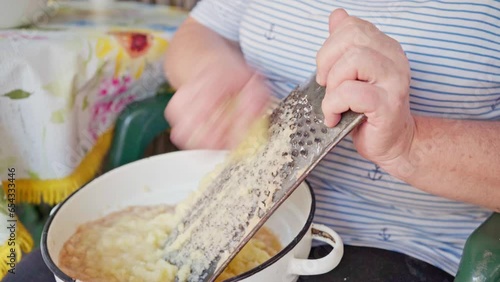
(455,159)
(196,48)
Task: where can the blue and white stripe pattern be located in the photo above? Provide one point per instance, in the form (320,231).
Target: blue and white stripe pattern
(453,47)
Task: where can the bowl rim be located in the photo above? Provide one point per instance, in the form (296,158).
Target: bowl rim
(296,240)
(66,278)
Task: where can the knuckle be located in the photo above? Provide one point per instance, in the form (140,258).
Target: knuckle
(361,37)
(349,58)
(386,64)
(352,21)
(357,29)
(371,29)
(355,53)
(356,50)
(364,26)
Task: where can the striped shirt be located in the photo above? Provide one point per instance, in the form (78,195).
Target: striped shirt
(453,48)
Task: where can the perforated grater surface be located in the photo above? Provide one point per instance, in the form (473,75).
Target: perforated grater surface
(226,213)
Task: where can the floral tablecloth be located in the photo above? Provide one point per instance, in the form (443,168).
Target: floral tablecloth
(62,85)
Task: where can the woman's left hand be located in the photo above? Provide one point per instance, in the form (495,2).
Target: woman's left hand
(367,71)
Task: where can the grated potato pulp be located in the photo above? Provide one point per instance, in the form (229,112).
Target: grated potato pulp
(130,245)
(230,201)
(127,246)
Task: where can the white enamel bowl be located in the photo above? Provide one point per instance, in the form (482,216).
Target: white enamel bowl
(15,13)
(168,179)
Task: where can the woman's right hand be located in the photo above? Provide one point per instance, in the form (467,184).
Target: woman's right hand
(215,108)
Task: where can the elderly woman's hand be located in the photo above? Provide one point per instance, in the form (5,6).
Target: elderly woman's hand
(367,71)
(216,108)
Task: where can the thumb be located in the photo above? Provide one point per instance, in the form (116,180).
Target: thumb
(336,17)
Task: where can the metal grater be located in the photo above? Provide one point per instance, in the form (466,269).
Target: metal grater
(226,213)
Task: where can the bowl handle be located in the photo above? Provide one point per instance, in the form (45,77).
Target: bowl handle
(322,265)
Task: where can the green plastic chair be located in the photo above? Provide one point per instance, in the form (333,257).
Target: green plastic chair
(141,122)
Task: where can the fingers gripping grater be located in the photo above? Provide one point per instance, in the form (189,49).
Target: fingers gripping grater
(224,215)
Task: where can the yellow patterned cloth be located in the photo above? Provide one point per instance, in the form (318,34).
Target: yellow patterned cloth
(63,82)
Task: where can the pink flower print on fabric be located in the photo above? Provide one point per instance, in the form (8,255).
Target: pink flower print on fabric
(114,86)
(112,99)
(104,111)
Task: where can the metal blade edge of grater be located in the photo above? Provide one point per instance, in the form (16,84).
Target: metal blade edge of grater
(297,123)
(314,93)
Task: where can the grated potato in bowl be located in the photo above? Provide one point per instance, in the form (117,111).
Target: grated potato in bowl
(127,246)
